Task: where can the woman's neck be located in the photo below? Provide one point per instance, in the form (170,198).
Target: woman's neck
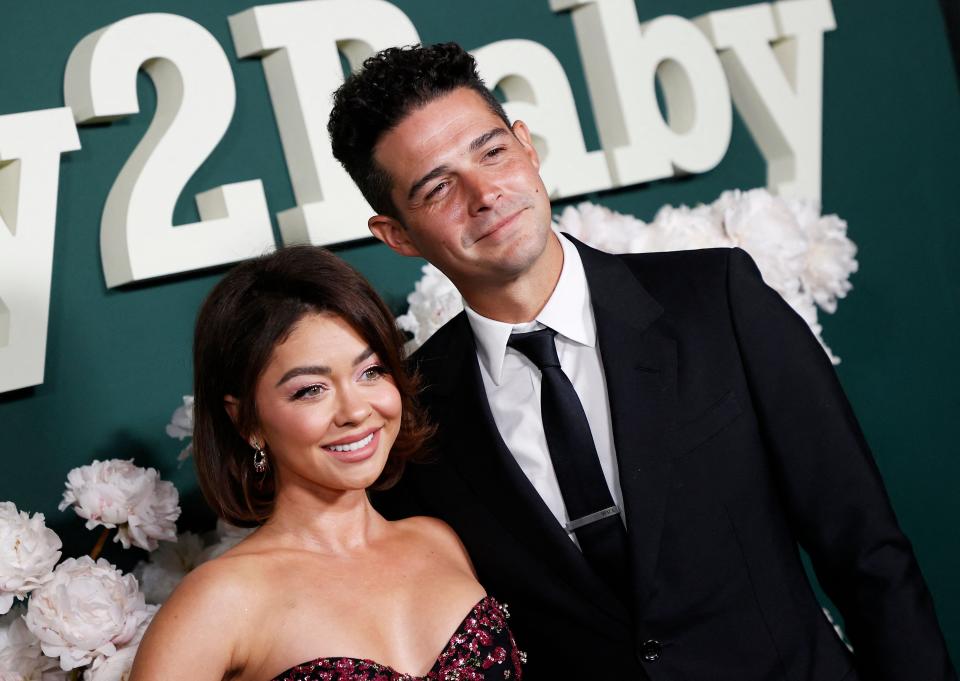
(335,523)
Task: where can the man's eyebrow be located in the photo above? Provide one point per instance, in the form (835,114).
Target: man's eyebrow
(486,137)
(476,144)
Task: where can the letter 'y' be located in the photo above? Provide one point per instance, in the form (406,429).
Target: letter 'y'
(773,58)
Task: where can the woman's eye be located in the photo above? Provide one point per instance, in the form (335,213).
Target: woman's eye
(308,391)
(374,372)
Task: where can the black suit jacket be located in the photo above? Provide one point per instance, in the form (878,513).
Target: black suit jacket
(735,446)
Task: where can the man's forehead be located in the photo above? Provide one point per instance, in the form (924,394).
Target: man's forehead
(450,119)
(456,123)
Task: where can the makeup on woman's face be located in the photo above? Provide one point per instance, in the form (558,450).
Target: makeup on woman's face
(328,409)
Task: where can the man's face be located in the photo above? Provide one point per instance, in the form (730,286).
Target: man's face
(468,193)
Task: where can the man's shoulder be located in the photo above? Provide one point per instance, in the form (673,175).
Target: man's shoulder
(443,351)
(668,276)
(664,265)
(699,263)
(448,337)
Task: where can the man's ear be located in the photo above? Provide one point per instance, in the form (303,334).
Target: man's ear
(522,133)
(393,234)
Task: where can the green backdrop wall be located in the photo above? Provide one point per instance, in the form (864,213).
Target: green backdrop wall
(118,361)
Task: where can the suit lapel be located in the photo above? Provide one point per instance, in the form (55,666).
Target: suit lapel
(483,460)
(640,368)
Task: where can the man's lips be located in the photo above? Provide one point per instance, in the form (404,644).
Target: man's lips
(497,226)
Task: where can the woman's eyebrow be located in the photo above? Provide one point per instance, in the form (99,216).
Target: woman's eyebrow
(302,371)
(320,369)
(363,355)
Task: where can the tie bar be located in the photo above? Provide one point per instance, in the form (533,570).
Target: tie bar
(590,518)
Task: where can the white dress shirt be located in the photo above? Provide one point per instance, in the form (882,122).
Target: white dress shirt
(512,382)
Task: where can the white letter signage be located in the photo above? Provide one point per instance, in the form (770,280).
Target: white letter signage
(30,148)
(773,56)
(299,44)
(622,58)
(195,102)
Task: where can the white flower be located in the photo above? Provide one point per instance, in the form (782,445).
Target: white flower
(119,494)
(117,667)
(683,228)
(605,229)
(831,259)
(765,227)
(181,425)
(88,609)
(20,656)
(28,552)
(167,566)
(434,302)
(228,536)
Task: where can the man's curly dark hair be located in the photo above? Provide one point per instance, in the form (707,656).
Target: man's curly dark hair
(391,84)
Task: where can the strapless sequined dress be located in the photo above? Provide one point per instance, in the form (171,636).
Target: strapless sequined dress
(481,649)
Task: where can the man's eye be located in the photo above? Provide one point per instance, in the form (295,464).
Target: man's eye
(495,152)
(437,189)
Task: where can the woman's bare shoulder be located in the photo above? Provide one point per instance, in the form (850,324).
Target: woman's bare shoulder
(437,536)
(202,628)
(225,576)
(213,593)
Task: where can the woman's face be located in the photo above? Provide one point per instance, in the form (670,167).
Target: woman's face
(328,411)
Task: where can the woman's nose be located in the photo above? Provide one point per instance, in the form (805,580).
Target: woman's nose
(352,408)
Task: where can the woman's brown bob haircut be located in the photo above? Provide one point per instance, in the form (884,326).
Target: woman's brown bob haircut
(252,310)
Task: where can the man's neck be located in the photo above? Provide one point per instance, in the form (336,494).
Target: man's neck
(521,299)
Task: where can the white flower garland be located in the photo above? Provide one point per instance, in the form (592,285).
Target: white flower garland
(28,552)
(806,257)
(83,614)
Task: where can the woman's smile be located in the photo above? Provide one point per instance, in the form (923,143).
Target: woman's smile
(354,450)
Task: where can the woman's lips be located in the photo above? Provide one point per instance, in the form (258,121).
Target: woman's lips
(356,449)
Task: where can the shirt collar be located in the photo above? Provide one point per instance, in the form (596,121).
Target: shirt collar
(567,311)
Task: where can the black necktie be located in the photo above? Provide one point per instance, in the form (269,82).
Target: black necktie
(594,518)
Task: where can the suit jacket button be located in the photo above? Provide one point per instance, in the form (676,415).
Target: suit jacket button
(650,650)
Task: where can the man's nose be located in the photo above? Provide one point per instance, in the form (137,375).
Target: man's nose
(483,191)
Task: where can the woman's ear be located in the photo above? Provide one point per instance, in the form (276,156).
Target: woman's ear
(232,405)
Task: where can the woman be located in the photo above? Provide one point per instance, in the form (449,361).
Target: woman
(301,405)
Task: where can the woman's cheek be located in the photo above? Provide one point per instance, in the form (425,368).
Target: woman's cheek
(301,423)
(389,404)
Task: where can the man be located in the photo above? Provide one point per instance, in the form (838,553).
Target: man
(632,448)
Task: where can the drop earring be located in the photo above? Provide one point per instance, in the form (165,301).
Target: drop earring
(259,458)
